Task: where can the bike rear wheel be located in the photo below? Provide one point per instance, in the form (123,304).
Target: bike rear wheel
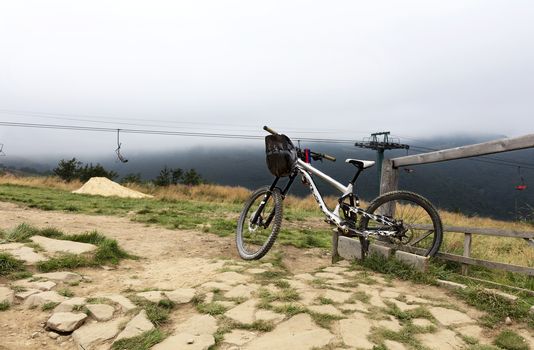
(419,231)
(254,239)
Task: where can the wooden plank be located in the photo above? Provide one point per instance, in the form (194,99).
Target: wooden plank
(467,251)
(483,231)
(469,261)
(390,177)
(489,264)
(479,149)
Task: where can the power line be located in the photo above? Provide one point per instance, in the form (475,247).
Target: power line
(162,132)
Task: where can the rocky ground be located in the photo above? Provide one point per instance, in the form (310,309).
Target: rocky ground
(299,302)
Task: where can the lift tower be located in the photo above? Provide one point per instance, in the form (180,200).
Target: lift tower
(386,143)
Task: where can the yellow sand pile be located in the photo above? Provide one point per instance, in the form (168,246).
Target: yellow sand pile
(105,187)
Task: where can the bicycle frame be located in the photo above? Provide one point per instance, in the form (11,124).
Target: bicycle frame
(333,217)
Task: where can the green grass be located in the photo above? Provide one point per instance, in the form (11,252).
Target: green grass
(324,320)
(9,265)
(496,307)
(49,306)
(108,251)
(4,305)
(66,292)
(213,308)
(510,340)
(157,313)
(143,341)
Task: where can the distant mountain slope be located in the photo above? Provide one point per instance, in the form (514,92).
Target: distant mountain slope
(470,186)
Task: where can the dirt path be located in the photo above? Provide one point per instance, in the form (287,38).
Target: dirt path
(342,308)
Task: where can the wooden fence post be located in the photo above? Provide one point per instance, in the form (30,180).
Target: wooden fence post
(467,251)
(389,182)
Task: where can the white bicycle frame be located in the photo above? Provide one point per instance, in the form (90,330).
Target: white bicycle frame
(306,169)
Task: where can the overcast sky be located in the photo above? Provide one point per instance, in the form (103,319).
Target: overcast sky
(329,69)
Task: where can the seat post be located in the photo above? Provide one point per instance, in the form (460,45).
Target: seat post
(356,175)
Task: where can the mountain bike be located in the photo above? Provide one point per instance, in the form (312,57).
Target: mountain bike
(401,219)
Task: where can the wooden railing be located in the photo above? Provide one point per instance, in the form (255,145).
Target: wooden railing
(390,178)
(466,258)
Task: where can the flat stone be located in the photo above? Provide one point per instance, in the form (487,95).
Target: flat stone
(336,296)
(298,285)
(451,285)
(349,248)
(125,303)
(256,271)
(62,246)
(418,262)
(139,324)
(232,277)
(389,294)
(41,285)
(412,299)
(267,265)
(101,312)
(69,304)
(308,297)
(304,277)
(153,296)
(375,298)
(335,269)
(239,337)
(26,254)
(443,339)
(449,317)
(186,341)
(194,334)
(6,295)
(392,325)
(242,291)
(268,315)
(215,286)
(327,275)
(226,303)
(393,345)
(422,322)
(403,306)
(181,295)
(297,332)
(325,309)
(65,321)
(198,324)
(61,276)
(90,336)
(356,306)
(354,332)
(243,313)
(473,331)
(21,296)
(42,298)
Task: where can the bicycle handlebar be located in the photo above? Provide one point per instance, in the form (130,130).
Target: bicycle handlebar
(268,129)
(325,156)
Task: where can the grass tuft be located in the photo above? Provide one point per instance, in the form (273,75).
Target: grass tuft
(10,265)
(143,341)
(4,305)
(510,340)
(49,306)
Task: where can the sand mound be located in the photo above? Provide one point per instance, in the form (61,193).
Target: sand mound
(105,187)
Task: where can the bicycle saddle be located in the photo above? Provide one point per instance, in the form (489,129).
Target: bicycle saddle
(363,164)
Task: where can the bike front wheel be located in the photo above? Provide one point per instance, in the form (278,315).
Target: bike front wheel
(259,223)
(418,229)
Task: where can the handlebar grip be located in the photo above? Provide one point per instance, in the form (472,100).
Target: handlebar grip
(326,156)
(268,129)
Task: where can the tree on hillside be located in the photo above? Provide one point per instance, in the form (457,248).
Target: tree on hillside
(89,170)
(132,179)
(191,177)
(164,177)
(67,170)
(177,175)
(72,169)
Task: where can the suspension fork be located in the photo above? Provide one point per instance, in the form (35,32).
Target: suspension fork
(268,195)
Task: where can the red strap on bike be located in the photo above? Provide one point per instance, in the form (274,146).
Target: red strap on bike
(307,157)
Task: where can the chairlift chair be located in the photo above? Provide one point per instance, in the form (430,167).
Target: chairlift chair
(118,150)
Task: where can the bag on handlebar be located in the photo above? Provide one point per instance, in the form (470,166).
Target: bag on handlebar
(281,155)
